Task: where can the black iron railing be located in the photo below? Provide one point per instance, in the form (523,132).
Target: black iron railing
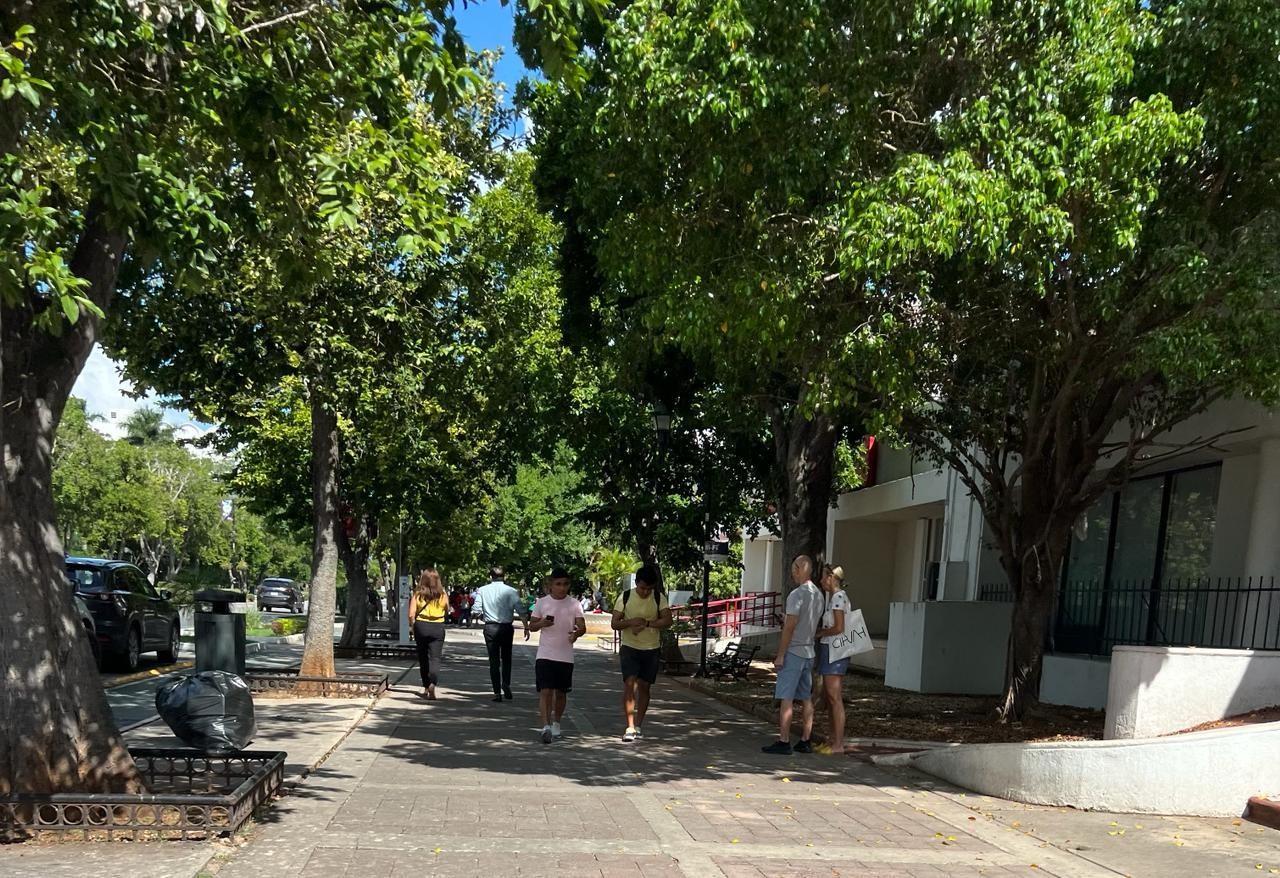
(1234,613)
(995,591)
(1092,617)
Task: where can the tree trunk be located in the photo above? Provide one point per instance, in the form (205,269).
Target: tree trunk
(317,654)
(58,734)
(355,560)
(1031,611)
(1032,560)
(804,457)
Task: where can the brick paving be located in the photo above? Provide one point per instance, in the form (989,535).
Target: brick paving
(461,787)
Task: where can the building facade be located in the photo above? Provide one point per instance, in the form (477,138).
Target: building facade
(1184,555)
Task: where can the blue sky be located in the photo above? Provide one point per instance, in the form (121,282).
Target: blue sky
(484,25)
(488,25)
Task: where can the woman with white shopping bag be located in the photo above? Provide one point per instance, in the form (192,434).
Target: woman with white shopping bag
(833,671)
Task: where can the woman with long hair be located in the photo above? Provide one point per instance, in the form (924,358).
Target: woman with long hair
(427,609)
(837,604)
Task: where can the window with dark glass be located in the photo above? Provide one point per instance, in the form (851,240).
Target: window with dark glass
(1136,562)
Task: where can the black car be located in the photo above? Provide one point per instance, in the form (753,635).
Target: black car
(283,594)
(130,616)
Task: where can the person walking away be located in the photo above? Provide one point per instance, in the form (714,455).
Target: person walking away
(640,615)
(558,619)
(468,606)
(837,604)
(794,661)
(496,605)
(427,609)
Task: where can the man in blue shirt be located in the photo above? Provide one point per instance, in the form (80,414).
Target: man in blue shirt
(496,605)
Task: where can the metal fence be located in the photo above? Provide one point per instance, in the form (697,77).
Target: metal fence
(191,796)
(1093,616)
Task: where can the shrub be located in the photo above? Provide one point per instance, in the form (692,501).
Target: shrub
(285,627)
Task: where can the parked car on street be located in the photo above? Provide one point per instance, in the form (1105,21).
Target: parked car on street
(130,616)
(281,594)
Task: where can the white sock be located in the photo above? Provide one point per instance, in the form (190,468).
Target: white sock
(555,729)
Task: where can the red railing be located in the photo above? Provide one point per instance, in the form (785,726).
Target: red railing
(727,617)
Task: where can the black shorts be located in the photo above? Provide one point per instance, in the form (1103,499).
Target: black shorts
(553,675)
(642,663)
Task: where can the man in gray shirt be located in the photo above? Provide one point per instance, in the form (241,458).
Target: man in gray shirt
(794,661)
(496,605)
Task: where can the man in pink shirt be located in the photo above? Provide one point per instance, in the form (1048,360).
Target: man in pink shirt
(558,619)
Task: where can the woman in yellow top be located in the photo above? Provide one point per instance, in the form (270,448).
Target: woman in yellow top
(427,610)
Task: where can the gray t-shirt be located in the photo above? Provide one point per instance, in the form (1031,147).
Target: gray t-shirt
(806,604)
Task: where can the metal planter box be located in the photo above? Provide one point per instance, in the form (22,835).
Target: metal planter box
(394,652)
(285,680)
(192,797)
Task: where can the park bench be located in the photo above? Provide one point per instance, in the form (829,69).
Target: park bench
(732,661)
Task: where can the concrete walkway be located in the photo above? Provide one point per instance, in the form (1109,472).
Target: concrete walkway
(462,787)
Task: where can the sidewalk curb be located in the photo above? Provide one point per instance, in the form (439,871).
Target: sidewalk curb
(293,639)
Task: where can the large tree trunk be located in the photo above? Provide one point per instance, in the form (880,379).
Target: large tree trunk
(804,457)
(58,734)
(355,560)
(317,654)
(1033,538)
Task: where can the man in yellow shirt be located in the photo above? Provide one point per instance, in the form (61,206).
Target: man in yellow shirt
(640,615)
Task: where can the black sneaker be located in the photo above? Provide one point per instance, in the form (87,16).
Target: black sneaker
(497,698)
(803,747)
(779,748)
(506,694)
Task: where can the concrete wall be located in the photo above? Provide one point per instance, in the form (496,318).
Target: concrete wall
(954,647)
(1209,774)
(866,550)
(1236,485)
(1075,680)
(1156,690)
(908,563)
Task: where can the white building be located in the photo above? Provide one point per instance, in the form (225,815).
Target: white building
(1186,555)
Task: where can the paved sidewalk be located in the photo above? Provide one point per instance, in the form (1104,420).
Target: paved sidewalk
(308,729)
(462,787)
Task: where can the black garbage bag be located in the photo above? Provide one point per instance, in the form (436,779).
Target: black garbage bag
(211,711)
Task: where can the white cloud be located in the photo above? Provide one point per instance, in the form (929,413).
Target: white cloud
(107,395)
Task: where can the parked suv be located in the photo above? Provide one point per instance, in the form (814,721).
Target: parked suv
(129,615)
(280,593)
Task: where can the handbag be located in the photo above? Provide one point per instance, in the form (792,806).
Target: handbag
(853,641)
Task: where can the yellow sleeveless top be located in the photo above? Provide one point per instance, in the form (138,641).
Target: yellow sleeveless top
(432,611)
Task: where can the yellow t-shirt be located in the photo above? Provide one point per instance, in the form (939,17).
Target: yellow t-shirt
(648,608)
(432,611)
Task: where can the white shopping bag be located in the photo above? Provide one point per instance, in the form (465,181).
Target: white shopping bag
(853,641)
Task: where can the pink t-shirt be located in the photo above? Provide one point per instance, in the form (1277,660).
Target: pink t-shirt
(553,642)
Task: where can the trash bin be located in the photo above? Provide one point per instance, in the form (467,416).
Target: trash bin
(219,631)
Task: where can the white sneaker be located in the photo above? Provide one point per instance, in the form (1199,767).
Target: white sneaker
(630,735)
(639,733)
(555,730)
(546,734)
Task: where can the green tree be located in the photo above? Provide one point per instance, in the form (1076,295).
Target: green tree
(153,136)
(146,426)
(1090,233)
(699,166)
(81,475)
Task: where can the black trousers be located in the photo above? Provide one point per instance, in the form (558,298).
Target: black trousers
(430,639)
(497,640)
